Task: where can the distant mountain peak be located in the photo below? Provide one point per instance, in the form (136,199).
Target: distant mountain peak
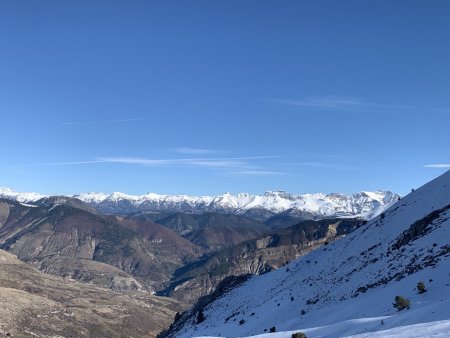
(24,197)
(363,204)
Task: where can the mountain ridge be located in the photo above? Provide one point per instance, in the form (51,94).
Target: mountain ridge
(111,251)
(320,205)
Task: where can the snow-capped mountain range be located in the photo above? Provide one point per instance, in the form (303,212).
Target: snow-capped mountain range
(363,204)
(347,288)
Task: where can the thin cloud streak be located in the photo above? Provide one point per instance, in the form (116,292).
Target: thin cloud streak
(243,165)
(437,165)
(352,104)
(225,162)
(257,173)
(54,164)
(84,123)
(325,165)
(196,151)
(336,157)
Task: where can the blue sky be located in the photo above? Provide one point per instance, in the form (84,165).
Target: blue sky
(204,97)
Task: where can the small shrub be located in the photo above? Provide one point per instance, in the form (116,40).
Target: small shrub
(242,321)
(273,329)
(200,317)
(298,335)
(401,303)
(421,288)
(303,312)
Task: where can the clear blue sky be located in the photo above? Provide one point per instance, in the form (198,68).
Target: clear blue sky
(204,97)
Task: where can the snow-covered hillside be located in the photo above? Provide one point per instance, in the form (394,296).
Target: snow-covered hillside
(348,287)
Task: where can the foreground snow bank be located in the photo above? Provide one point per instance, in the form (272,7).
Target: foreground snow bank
(437,329)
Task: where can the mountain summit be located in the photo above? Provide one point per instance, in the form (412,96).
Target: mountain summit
(309,206)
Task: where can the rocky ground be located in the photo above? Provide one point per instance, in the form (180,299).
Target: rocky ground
(36,304)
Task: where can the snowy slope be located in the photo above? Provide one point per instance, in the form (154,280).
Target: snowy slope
(348,286)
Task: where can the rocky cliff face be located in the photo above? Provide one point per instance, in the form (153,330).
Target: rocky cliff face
(256,256)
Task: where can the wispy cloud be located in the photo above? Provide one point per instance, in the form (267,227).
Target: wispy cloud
(82,123)
(222,162)
(196,151)
(230,163)
(246,165)
(336,157)
(54,164)
(437,165)
(325,165)
(353,104)
(257,173)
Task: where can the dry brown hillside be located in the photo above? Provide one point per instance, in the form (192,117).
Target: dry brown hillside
(36,304)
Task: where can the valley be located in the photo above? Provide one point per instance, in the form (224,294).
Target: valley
(176,254)
(188,258)
(348,287)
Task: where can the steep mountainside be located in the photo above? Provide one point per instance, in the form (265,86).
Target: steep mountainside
(213,231)
(158,234)
(35,304)
(348,286)
(311,206)
(183,223)
(256,256)
(114,252)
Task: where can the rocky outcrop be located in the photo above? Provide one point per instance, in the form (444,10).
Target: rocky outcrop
(195,314)
(255,257)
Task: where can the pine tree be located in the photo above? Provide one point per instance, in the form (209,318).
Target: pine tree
(298,335)
(401,303)
(200,317)
(421,288)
